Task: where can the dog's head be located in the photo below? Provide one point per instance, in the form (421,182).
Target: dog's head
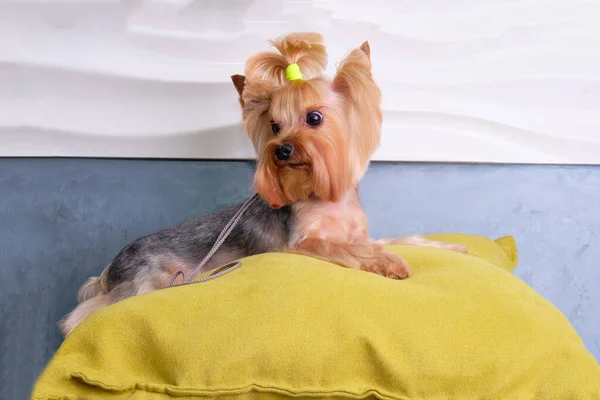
(313,136)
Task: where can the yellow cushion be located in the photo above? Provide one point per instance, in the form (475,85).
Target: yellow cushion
(289,326)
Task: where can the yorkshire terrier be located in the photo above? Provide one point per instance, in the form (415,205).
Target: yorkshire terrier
(314,138)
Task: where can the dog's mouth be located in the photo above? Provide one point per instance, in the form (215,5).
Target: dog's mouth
(292,165)
(292,176)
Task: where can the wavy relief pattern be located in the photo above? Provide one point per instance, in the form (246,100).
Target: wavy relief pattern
(489,80)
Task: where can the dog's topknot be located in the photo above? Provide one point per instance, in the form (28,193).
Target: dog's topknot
(306,49)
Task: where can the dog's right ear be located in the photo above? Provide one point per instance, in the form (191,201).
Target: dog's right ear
(239,81)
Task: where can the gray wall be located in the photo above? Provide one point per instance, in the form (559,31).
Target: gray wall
(62,220)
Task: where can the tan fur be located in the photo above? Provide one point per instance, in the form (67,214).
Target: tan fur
(338,232)
(68,323)
(105,296)
(303,48)
(421,241)
(93,287)
(343,221)
(321,175)
(364,256)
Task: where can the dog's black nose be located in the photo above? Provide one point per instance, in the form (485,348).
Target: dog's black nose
(284,152)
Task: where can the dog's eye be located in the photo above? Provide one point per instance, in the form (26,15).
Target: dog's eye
(314,119)
(275,128)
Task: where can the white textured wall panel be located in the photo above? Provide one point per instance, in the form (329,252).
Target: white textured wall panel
(463,80)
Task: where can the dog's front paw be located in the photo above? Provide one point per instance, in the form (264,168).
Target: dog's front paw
(387,264)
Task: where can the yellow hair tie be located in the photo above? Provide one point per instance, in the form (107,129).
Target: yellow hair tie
(292,73)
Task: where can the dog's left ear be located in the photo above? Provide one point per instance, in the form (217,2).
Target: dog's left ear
(354,72)
(239,81)
(366,49)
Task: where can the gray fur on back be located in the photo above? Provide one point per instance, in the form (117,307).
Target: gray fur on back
(261,229)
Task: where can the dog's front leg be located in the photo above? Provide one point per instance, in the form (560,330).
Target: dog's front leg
(422,241)
(369,256)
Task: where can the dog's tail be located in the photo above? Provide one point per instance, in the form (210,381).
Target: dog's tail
(94,286)
(93,295)
(82,311)
(306,49)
